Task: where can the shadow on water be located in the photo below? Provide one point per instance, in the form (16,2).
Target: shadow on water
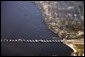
(24,20)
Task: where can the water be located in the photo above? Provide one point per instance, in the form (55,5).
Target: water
(22,19)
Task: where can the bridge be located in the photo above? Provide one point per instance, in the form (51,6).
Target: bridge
(72,43)
(65,41)
(30,41)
